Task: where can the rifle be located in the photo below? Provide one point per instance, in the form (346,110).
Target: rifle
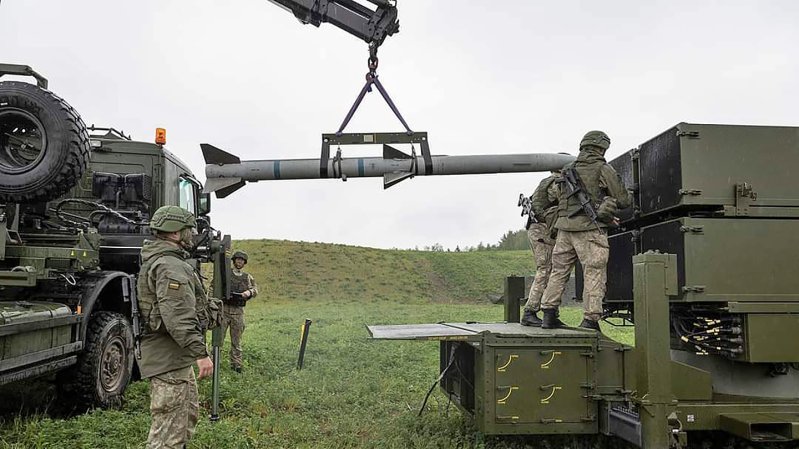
(129,294)
(576,188)
(526,203)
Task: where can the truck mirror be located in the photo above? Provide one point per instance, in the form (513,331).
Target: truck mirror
(204,208)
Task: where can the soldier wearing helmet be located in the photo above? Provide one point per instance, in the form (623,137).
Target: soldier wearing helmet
(540,234)
(579,238)
(168,289)
(242,289)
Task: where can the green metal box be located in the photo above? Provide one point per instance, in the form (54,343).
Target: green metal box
(771,337)
(514,379)
(678,171)
(718,259)
(34,331)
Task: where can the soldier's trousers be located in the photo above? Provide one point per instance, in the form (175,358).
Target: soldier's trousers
(174,407)
(542,245)
(591,248)
(233,319)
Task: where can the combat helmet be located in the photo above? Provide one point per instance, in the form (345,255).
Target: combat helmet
(595,138)
(172,219)
(239,254)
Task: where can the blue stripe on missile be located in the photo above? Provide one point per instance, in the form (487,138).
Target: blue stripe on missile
(277,169)
(360,167)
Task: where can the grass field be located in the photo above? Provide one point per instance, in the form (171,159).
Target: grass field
(353,392)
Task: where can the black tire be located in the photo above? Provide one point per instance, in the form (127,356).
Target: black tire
(105,366)
(44,145)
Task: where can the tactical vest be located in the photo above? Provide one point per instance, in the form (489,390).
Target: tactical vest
(238,284)
(148,304)
(589,173)
(541,198)
(207,310)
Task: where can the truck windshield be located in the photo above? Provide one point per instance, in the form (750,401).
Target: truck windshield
(188,195)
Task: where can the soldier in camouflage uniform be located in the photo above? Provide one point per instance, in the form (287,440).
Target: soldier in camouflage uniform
(173,335)
(545,208)
(242,288)
(579,238)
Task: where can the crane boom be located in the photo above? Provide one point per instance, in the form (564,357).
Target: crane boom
(371,26)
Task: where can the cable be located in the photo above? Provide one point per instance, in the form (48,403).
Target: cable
(441,376)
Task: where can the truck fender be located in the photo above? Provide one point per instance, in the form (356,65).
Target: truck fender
(106,290)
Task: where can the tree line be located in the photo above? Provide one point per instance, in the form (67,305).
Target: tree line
(511,240)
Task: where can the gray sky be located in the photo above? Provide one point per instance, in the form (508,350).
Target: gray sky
(481,77)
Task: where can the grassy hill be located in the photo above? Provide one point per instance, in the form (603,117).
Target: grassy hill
(353,392)
(319,271)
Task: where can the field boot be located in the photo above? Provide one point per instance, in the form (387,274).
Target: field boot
(551,320)
(530,318)
(590,324)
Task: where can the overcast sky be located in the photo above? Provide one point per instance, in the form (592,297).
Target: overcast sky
(481,77)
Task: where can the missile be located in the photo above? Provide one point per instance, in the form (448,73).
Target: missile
(226,173)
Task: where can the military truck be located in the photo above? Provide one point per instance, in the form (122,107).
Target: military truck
(75,203)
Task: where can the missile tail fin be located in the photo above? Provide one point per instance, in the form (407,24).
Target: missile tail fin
(390,152)
(214,155)
(223,186)
(390,179)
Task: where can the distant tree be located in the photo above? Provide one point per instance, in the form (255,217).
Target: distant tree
(457,249)
(514,240)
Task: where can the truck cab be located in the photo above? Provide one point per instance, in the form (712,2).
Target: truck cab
(75,205)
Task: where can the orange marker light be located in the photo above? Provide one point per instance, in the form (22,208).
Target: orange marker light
(160,136)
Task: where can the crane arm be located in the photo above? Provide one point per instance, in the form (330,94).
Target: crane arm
(371,26)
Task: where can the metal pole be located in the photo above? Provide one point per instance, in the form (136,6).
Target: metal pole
(514,290)
(303,341)
(654,280)
(216,337)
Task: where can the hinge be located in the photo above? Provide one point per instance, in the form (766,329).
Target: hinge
(694,229)
(551,420)
(692,134)
(690,191)
(693,289)
(744,195)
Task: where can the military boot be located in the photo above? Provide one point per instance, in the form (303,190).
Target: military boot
(590,324)
(551,320)
(530,318)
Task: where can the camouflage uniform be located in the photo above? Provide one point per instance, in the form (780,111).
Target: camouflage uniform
(545,200)
(172,341)
(233,313)
(578,237)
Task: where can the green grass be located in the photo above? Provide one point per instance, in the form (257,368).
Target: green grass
(353,392)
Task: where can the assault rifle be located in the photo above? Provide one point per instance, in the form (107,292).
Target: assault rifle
(526,203)
(576,188)
(129,295)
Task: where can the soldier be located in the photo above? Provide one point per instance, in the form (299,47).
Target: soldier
(545,207)
(242,288)
(173,336)
(579,238)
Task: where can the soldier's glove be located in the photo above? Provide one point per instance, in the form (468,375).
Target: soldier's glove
(606,212)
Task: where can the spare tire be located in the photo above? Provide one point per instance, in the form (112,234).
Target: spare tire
(44,145)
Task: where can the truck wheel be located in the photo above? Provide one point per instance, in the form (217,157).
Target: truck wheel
(44,145)
(105,366)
